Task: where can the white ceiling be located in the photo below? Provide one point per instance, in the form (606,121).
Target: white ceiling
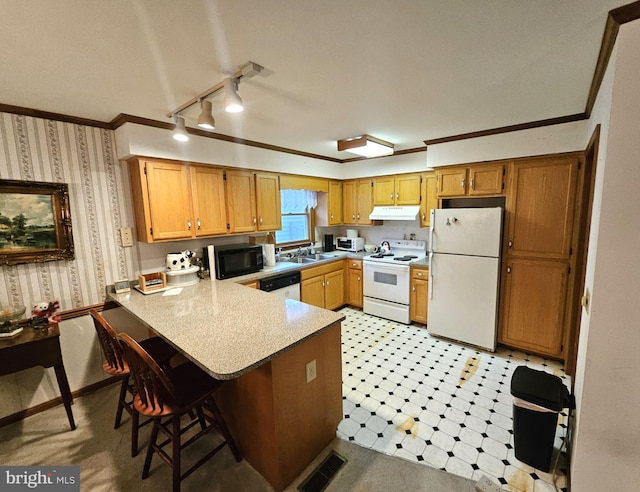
(401,70)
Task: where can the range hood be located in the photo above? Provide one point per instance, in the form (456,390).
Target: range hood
(395,213)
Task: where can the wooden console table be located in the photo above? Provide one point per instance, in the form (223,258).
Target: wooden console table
(37,347)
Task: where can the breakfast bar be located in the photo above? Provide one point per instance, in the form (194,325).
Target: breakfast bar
(282,360)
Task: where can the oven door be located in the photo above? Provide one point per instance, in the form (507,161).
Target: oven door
(386,281)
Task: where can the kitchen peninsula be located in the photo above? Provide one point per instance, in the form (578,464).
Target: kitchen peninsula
(262,344)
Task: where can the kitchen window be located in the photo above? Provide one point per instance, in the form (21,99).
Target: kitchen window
(296,217)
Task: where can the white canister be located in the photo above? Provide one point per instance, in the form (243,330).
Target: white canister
(351,233)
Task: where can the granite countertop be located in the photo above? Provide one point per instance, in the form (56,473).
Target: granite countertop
(423,263)
(226,328)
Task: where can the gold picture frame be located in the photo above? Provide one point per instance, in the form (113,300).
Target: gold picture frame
(35,223)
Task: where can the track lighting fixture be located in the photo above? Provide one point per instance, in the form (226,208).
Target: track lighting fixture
(180,132)
(366,145)
(232,101)
(205,120)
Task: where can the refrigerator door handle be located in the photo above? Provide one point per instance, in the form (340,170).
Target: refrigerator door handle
(430,286)
(433,226)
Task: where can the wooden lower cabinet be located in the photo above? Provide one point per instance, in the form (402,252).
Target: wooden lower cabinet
(534,305)
(419,296)
(354,283)
(323,286)
(253,284)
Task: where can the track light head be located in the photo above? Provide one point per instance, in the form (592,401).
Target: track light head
(206,120)
(180,131)
(232,101)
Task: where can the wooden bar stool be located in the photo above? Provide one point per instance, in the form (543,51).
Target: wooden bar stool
(115,364)
(161,394)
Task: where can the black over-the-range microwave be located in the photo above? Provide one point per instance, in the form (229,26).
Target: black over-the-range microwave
(233,260)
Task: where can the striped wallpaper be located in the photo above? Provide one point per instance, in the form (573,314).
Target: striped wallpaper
(33,149)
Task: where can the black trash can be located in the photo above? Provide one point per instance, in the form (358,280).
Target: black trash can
(538,397)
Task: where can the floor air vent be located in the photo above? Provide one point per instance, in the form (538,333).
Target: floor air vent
(320,478)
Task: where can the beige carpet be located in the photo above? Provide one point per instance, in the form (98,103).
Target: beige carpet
(105,464)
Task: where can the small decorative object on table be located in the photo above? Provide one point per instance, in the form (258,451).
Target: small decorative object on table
(44,313)
(8,316)
(150,282)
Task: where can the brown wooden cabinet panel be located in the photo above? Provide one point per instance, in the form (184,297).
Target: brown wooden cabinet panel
(329,209)
(312,291)
(534,305)
(268,202)
(169,200)
(241,201)
(334,289)
(209,209)
(384,190)
(541,207)
(419,296)
(349,202)
(452,182)
(365,202)
(429,198)
(402,189)
(354,282)
(485,179)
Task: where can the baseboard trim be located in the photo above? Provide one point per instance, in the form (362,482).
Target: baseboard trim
(27,412)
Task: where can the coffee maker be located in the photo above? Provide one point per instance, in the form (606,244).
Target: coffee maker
(328,243)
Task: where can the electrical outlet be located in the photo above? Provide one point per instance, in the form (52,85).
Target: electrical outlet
(311,370)
(486,485)
(126,237)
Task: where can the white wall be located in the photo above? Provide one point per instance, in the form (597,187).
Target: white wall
(607,440)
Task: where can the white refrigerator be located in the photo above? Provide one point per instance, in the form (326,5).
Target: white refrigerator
(464,274)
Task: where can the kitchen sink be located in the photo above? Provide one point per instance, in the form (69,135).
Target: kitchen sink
(302,259)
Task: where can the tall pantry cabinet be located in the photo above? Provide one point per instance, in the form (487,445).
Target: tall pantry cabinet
(538,252)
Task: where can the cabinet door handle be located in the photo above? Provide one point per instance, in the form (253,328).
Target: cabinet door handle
(261,220)
(331,216)
(323,283)
(424,217)
(414,287)
(391,196)
(358,278)
(463,183)
(510,244)
(198,222)
(353,216)
(471,183)
(254,220)
(419,274)
(358,216)
(188,225)
(397,195)
(508,269)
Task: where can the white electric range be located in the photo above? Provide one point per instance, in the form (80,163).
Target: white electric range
(387,279)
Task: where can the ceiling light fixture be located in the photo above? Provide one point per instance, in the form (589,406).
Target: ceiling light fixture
(366,145)
(180,132)
(206,120)
(232,101)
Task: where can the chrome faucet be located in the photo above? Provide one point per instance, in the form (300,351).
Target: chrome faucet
(299,252)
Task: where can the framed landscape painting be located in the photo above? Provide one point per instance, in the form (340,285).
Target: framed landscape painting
(35,223)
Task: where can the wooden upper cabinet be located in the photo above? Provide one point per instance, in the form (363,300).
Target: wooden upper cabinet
(486,179)
(402,189)
(169,200)
(268,202)
(349,202)
(541,207)
(452,182)
(209,208)
(384,190)
(241,201)
(474,180)
(429,198)
(534,305)
(365,202)
(329,210)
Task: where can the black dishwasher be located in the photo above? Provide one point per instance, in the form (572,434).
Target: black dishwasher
(285,285)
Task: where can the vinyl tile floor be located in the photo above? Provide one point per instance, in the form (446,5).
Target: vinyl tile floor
(438,403)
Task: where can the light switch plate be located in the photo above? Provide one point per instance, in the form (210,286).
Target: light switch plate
(311,370)
(126,237)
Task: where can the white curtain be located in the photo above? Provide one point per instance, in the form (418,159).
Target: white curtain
(297,201)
